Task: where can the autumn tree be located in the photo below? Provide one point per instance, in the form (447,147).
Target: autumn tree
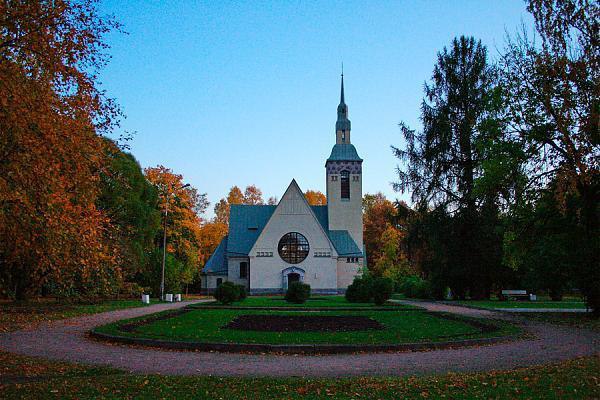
(182,205)
(211,234)
(252,195)
(378,213)
(553,84)
(52,113)
(272,201)
(315,198)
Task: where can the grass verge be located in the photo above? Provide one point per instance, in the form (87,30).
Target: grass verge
(574,379)
(15,316)
(493,304)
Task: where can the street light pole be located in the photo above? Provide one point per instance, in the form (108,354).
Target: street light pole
(162,280)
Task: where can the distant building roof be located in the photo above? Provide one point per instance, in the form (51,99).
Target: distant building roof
(344,152)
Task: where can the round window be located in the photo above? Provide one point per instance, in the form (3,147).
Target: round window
(293,248)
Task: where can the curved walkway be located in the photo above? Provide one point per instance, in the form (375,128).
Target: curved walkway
(66,340)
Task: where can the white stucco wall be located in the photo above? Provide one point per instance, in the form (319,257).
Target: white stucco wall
(346,272)
(209,282)
(293,215)
(233,270)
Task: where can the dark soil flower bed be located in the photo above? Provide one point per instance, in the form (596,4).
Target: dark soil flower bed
(303,323)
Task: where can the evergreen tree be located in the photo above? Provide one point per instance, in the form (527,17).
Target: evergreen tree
(443,163)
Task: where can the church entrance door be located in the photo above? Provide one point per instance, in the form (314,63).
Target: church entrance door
(293,277)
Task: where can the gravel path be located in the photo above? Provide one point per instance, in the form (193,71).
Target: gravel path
(66,340)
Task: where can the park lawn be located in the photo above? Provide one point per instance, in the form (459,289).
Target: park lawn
(15,316)
(400,327)
(493,304)
(574,379)
(313,302)
(578,320)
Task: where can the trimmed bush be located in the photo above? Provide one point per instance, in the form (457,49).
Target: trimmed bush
(227,293)
(367,289)
(416,287)
(359,290)
(242,294)
(381,290)
(297,292)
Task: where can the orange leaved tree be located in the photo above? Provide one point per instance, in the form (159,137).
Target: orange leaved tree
(53,238)
(183,225)
(315,198)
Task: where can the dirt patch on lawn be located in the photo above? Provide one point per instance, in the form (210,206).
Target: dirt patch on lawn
(303,323)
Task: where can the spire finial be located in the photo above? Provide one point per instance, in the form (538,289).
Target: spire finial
(342,91)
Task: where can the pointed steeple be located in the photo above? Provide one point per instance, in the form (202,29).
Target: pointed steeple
(342,126)
(342,93)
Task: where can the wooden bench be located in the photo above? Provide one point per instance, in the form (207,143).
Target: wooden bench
(515,294)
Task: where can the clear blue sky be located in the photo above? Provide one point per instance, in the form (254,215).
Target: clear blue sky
(239,93)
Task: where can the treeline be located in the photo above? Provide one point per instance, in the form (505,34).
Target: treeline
(79,218)
(504,174)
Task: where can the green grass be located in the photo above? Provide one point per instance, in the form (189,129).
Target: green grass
(493,304)
(578,320)
(401,327)
(575,379)
(313,302)
(14,316)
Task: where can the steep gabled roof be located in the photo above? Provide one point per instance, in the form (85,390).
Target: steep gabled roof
(321,214)
(246,222)
(217,263)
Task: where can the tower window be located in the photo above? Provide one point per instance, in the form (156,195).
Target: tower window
(345,184)
(344,136)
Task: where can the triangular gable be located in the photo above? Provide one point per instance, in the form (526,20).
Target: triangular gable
(293,203)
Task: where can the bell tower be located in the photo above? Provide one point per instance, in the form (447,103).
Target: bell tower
(344,179)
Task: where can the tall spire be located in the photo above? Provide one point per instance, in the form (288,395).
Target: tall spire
(342,126)
(342,93)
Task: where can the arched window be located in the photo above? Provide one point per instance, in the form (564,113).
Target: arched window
(345,184)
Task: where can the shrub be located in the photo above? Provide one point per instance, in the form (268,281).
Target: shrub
(297,292)
(132,289)
(416,287)
(381,290)
(227,293)
(242,294)
(359,290)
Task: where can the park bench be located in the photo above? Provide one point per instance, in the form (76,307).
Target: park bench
(507,294)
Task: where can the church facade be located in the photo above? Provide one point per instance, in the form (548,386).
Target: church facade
(269,246)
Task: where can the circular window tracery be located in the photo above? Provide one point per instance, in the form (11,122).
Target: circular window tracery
(293,248)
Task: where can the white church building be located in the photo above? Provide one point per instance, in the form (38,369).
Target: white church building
(269,246)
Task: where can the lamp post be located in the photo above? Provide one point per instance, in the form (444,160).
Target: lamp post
(162,280)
